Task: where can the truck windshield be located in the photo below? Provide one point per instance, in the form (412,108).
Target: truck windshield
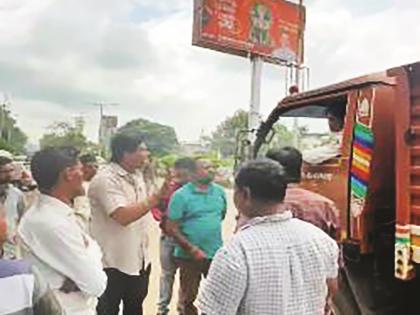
(309,128)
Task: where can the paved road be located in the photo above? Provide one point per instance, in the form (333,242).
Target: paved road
(152,298)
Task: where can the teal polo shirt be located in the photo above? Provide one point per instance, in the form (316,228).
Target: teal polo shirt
(200,216)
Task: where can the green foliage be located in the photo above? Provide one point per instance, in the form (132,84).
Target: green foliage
(167,161)
(4,145)
(215,159)
(279,137)
(12,138)
(224,138)
(283,137)
(64,134)
(160,139)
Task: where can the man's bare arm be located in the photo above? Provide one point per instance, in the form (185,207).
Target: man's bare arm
(173,230)
(332,285)
(129,214)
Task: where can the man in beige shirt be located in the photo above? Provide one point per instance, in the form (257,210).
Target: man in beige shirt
(120,221)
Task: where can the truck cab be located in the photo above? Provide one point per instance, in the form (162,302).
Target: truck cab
(374,179)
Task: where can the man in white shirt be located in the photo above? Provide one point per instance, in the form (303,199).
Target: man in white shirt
(275,264)
(68,259)
(120,223)
(336,116)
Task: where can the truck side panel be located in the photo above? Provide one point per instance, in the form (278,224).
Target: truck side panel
(407,236)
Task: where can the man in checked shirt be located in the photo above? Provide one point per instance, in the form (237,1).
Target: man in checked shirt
(275,264)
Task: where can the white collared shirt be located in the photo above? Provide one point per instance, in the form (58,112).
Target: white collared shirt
(273,265)
(124,247)
(54,242)
(325,152)
(81,208)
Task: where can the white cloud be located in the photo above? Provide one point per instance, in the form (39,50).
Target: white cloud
(59,56)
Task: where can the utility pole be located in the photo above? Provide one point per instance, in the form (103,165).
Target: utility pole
(4,118)
(255,102)
(101,106)
(296,77)
(103,142)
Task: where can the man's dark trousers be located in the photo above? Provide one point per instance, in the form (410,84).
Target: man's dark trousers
(131,290)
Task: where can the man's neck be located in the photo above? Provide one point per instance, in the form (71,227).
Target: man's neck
(62,196)
(201,187)
(244,218)
(128,168)
(268,209)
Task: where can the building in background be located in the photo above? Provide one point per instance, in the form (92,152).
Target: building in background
(193,148)
(107,128)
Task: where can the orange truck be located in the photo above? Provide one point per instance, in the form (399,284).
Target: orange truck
(375,182)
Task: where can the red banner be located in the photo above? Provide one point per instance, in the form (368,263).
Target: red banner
(272,29)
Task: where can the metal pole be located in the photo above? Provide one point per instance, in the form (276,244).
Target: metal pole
(1,120)
(254,109)
(298,65)
(296,135)
(308,78)
(101,113)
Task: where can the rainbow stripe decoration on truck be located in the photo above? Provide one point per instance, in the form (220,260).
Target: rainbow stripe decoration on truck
(360,167)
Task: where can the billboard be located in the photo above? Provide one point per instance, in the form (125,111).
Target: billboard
(272,29)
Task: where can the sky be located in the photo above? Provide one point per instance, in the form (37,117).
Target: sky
(60,57)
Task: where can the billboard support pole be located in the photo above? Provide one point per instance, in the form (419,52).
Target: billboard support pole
(254,109)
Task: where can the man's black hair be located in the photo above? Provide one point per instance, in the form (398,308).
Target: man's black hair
(338,111)
(291,160)
(265,179)
(124,143)
(186,163)
(5,160)
(47,165)
(87,158)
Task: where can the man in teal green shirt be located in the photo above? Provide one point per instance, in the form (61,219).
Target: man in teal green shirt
(196,212)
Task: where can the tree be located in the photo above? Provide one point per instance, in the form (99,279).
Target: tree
(12,138)
(282,137)
(224,137)
(64,134)
(160,139)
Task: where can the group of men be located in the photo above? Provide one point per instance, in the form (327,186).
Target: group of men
(91,252)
